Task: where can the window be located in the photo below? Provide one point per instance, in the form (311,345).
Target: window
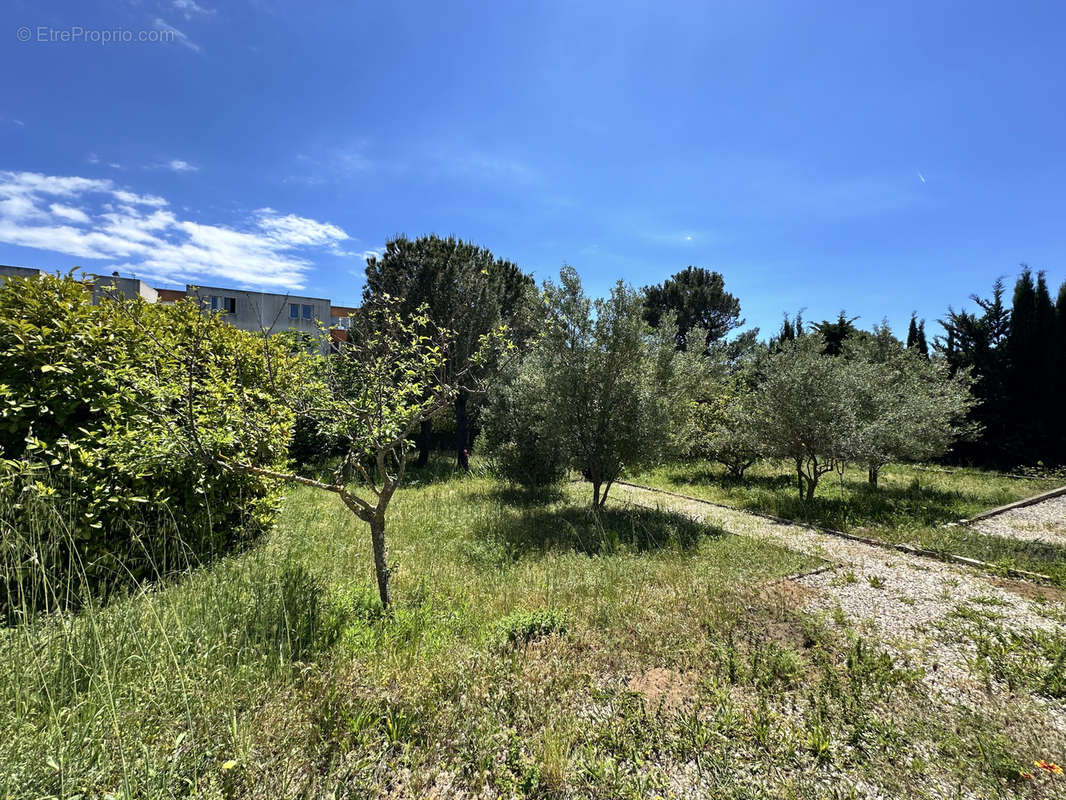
(308,311)
(294,311)
(225,304)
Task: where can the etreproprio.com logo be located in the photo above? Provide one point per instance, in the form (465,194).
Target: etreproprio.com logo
(76,34)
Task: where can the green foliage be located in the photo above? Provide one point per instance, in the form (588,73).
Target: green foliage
(523,627)
(864,399)
(696,299)
(460,287)
(615,393)
(79,404)
(518,433)
(1016,356)
(805,411)
(908,407)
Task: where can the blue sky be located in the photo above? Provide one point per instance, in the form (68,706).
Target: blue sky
(878,158)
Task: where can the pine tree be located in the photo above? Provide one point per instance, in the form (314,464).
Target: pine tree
(698,299)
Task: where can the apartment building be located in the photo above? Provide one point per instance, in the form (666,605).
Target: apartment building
(247,310)
(18,272)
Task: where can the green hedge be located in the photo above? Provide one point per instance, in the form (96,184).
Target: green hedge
(100,484)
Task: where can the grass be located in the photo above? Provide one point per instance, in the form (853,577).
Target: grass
(535,650)
(911,505)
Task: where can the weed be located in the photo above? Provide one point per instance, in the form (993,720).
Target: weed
(523,627)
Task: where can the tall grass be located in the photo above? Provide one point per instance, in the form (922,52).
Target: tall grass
(511,665)
(135,695)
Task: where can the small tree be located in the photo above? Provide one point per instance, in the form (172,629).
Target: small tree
(805,411)
(519,434)
(908,408)
(616,391)
(734,440)
(371,395)
(464,288)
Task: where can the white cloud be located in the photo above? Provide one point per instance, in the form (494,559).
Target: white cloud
(179,35)
(129,198)
(177,165)
(190,9)
(270,250)
(297,231)
(69,213)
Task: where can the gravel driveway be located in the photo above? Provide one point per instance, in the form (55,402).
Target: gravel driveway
(1044,521)
(907,601)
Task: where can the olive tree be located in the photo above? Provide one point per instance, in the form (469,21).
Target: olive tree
(909,408)
(733,440)
(805,409)
(519,435)
(616,390)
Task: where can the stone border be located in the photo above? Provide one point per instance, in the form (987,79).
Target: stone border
(1024,574)
(1028,501)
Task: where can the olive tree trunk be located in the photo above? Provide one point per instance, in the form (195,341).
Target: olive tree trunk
(872,474)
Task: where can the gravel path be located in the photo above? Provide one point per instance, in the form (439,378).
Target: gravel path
(905,600)
(1045,521)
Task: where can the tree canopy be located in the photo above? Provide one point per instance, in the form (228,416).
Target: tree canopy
(465,289)
(696,298)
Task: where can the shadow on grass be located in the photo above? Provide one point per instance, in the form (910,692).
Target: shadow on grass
(540,530)
(859,504)
(441,468)
(518,497)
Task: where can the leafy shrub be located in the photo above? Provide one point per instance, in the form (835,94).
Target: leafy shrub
(98,486)
(311,444)
(523,627)
(518,435)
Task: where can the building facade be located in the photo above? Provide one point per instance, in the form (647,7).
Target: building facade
(247,310)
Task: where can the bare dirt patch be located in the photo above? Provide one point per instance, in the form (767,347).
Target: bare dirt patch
(1032,591)
(665,689)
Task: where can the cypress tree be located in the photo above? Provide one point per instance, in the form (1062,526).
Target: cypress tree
(1025,362)
(1046,352)
(923,345)
(1060,371)
(912,331)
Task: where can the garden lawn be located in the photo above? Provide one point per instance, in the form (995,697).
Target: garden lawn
(911,504)
(534,650)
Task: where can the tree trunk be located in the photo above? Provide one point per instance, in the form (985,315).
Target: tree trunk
(462,431)
(606,490)
(812,484)
(425,435)
(595,494)
(799,477)
(871,475)
(381,567)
